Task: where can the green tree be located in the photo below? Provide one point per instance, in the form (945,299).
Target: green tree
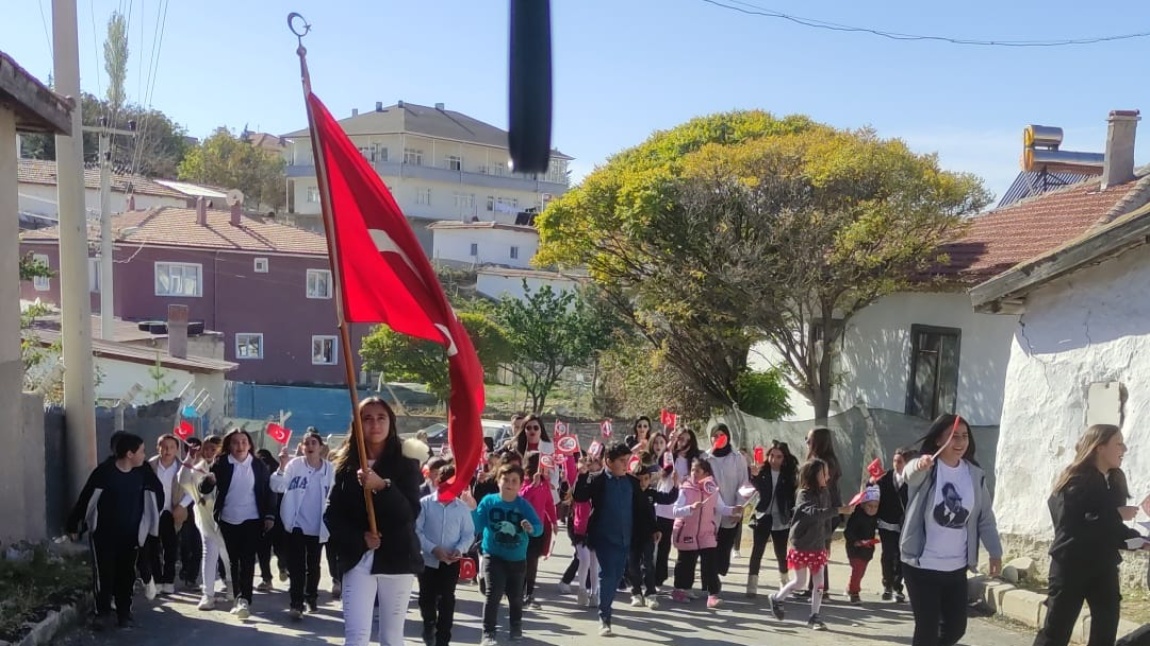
(403,358)
(551,331)
(226,160)
(740,227)
(116,61)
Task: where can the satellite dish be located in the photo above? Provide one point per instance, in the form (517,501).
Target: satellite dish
(235,197)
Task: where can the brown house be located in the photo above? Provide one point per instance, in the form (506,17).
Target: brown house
(267,287)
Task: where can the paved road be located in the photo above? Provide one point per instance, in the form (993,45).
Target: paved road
(175,621)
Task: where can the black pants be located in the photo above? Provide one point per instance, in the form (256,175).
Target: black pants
(571,571)
(891,560)
(303,568)
(333,563)
(938,601)
(503,578)
(727,538)
(191,550)
(242,541)
(641,564)
(162,551)
(1069,587)
(113,573)
(437,600)
(685,570)
(666,527)
(531,569)
(272,542)
(761,533)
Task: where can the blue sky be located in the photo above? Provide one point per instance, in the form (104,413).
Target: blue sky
(624,68)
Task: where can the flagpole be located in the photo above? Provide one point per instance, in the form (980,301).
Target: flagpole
(333,257)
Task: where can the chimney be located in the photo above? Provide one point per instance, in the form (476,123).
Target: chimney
(399,104)
(379,106)
(178,331)
(1118,167)
(439,106)
(201,212)
(237,214)
(355,112)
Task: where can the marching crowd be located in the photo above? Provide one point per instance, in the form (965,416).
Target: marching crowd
(215,506)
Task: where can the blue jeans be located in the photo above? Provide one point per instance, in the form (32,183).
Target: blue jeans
(612,565)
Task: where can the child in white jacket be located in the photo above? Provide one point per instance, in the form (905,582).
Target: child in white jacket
(305,483)
(446,531)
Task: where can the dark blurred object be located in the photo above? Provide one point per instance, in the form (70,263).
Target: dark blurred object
(529,136)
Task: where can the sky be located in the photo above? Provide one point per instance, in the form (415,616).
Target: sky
(625,68)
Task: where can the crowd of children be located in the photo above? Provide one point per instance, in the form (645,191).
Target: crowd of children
(215,506)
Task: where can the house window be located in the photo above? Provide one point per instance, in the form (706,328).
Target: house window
(490,203)
(41,283)
(323,350)
(368,153)
(454,162)
(94,275)
(249,345)
(423,196)
(515,253)
(413,156)
(261,265)
(312,195)
(498,168)
(318,283)
(474,249)
(179,279)
(380,153)
(464,202)
(932,388)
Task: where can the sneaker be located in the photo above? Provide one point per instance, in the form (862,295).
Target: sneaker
(336,590)
(594,600)
(636,601)
(242,611)
(605,629)
(713,601)
(167,588)
(312,607)
(516,633)
(887,594)
(533,604)
(564,588)
(295,613)
(680,596)
(489,640)
(283,574)
(736,554)
(814,623)
(150,590)
(899,597)
(482,587)
(803,594)
(207,603)
(826,597)
(264,586)
(582,599)
(777,608)
(651,602)
(752,586)
(856,600)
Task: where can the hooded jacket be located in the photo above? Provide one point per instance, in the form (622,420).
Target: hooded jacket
(698,528)
(85,516)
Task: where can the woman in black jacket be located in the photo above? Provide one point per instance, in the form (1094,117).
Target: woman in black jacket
(771,520)
(1088,508)
(245,510)
(382,565)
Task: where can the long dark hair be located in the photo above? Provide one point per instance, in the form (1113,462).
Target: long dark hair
(226,449)
(347,457)
(635,428)
(790,468)
(1086,459)
(521,438)
(939,432)
(692,451)
(822,446)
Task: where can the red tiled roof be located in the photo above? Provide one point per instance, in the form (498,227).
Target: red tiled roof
(175,227)
(998,240)
(39,171)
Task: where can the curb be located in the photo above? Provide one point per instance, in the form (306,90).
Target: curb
(1027,607)
(57,623)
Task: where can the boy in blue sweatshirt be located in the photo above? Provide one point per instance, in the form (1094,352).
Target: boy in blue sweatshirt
(445,531)
(506,521)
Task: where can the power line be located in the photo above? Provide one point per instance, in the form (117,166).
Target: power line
(47,33)
(814,23)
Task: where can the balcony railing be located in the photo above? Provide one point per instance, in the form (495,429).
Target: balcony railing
(461,177)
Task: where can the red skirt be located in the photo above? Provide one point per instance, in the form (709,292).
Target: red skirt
(815,560)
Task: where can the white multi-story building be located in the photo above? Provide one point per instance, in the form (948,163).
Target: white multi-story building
(440,165)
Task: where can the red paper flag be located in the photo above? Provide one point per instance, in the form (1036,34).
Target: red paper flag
(857,499)
(567,445)
(184,429)
(385,277)
(760,455)
(667,418)
(605,428)
(279,434)
(595,449)
(560,428)
(875,470)
(720,441)
(632,462)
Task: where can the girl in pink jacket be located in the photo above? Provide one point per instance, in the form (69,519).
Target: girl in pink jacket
(537,491)
(697,514)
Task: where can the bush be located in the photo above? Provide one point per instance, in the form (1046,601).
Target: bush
(763,394)
(30,588)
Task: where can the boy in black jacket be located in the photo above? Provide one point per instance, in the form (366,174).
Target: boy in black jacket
(891,509)
(859,535)
(645,537)
(119,508)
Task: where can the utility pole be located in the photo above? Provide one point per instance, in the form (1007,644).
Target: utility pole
(75,303)
(106,282)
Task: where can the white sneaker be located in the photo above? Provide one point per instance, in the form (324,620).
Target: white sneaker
(207,603)
(736,554)
(242,610)
(652,603)
(594,600)
(582,598)
(636,601)
(604,629)
(564,588)
(167,588)
(150,590)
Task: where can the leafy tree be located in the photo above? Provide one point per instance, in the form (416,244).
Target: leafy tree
(405,358)
(226,160)
(740,227)
(549,332)
(116,61)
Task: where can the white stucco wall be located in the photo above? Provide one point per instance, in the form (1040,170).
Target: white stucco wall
(1091,327)
(493,245)
(497,286)
(874,359)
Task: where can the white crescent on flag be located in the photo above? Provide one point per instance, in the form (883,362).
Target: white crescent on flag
(386,244)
